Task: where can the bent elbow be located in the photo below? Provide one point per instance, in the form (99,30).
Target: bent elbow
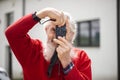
(7,32)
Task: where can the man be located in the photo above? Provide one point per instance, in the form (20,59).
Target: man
(72,64)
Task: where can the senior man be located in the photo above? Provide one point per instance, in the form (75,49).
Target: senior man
(72,63)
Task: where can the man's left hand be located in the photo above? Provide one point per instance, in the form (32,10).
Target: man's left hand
(63,50)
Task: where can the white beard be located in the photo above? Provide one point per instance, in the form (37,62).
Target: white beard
(48,51)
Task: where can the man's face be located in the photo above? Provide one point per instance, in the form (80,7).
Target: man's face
(50,30)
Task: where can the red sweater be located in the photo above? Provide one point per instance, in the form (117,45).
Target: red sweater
(29,53)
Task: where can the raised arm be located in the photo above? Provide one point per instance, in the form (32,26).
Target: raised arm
(20,42)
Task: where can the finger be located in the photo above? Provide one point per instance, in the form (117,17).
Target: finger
(60,50)
(57,20)
(62,39)
(64,49)
(67,23)
(58,42)
(66,44)
(62,19)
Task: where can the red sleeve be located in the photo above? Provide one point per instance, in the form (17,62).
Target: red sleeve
(20,42)
(81,69)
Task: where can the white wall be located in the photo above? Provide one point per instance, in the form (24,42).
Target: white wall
(6,7)
(104,58)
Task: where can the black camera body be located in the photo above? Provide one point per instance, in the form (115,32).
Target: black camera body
(60,31)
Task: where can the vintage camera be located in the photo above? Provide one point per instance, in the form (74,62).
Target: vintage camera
(60,31)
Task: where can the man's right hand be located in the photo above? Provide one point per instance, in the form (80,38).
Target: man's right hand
(52,14)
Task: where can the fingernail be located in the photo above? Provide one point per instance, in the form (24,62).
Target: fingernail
(59,36)
(54,39)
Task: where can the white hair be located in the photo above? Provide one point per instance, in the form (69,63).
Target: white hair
(73,24)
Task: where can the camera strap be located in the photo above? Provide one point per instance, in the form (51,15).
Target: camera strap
(52,63)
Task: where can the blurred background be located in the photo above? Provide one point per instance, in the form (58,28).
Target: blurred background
(96,32)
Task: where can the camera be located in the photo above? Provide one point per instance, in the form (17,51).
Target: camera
(60,31)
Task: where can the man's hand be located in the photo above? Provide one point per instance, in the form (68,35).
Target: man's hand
(63,50)
(52,14)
